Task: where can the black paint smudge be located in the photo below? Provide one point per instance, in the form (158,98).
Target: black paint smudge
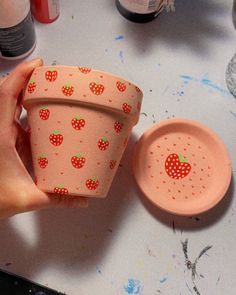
(144,114)
(217,282)
(189,288)
(193,266)
(154,120)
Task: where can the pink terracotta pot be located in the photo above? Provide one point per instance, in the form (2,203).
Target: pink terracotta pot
(80,121)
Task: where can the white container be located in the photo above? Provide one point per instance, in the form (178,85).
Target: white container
(17,33)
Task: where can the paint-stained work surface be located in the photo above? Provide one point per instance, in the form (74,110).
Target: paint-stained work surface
(124,245)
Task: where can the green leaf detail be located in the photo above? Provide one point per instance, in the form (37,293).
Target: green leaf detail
(104,139)
(67,85)
(60,186)
(78,155)
(182,159)
(56,132)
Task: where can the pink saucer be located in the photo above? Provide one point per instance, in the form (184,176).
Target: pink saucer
(182,166)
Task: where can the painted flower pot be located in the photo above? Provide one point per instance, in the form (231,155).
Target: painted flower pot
(80,122)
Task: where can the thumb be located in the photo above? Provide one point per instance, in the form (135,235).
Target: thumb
(11,87)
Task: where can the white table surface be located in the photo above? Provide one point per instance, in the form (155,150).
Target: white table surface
(123,245)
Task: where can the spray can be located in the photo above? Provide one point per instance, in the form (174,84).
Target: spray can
(17,33)
(45,11)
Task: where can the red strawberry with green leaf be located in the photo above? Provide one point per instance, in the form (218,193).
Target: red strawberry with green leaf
(120,86)
(42,161)
(112,164)
(77,123)
(103,143)
(61,190)
(92,183)
(176,166)
(118,126)
(67,89)
(51,75)
(126,108)
(44,113)
(78,161)
(56,138)
(96,88)
(31,86)
(84,70)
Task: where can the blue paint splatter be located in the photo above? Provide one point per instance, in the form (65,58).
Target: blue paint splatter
(206,82)
(163,280)
(185,77)
(209,83)
(121,55)
(120,37)
(133,287)
(233,113)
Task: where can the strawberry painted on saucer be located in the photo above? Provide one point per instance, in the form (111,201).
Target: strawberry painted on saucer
(182,166)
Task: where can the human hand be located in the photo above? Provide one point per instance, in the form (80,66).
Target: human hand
(18,193)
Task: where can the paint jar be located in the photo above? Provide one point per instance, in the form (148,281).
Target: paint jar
(80,120)
(142,11)
(17,33)
(45,11)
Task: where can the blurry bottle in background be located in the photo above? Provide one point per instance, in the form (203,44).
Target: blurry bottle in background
(234,14)
(17,33)
(142,11)
(45,11)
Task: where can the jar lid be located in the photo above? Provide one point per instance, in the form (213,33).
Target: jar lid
(182,166)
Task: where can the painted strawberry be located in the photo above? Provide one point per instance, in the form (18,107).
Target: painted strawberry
(77,123)
(78,161)
(118,126)
(42,161)
(92,183)
(67,89)
(103,143)
(177,166)
(44,113)
(61,190)
(84,70)
(112,164)
(120,86)
(31,86)
(126,108)
(56,138)
(51,75)
(96,88)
